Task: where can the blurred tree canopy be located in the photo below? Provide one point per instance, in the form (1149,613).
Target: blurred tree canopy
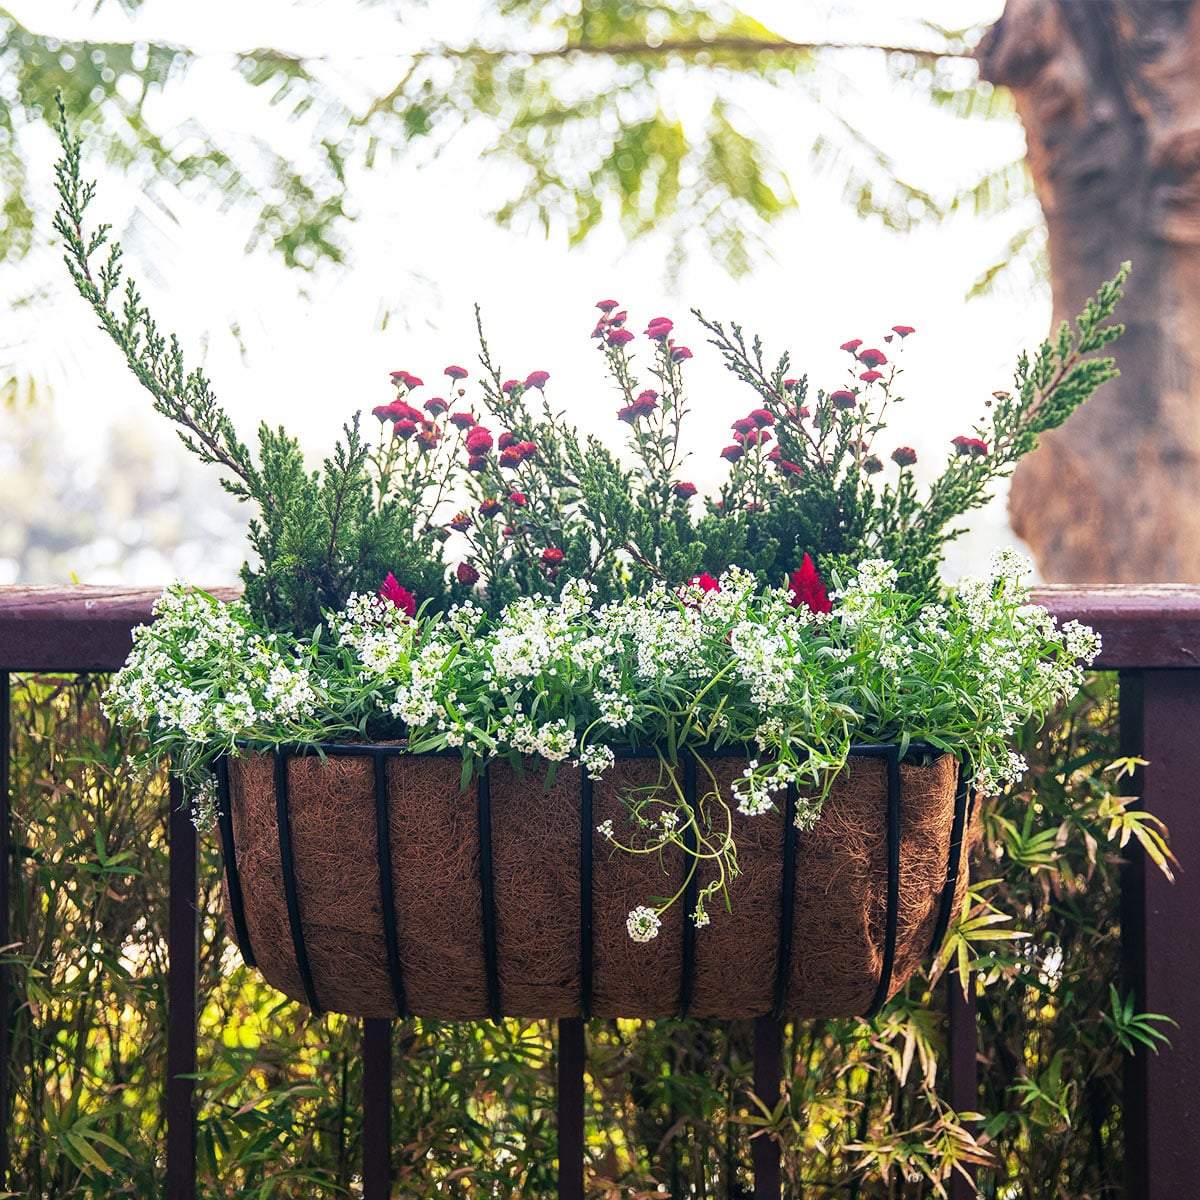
(570,93)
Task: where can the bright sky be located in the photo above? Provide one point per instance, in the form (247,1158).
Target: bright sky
(425,250)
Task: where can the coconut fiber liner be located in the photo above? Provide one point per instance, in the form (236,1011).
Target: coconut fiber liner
(366,882)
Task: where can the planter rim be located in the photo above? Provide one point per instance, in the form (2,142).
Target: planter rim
(400,749)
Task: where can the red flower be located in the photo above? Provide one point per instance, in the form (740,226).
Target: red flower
(680,354)
(659,328)
(409,381)
(871,376)
(705,582)
(607,306)
(552,556)
(757,437)
(456,372)
(527,449)
(789,468)
(460,521)
(843,399)
(508,531)
(872,465)
(537,379)
(401,597)
(467,574)
(479,440)
(685,491)
(904,456)
(510,456)
(428,438)
(619,337)
(401,410)
(646,399)
(743,425)
(800,413)
(489,507)
(436,405)
(872,358)
(462,420)
(903,330)
(405,429)
(505,440)
(518,498)
(761,417)
(852,345)
(790,385)
(477,463)
(618,318)
(808,588)
(382,411)
(969,445)
(509,386)
(732,453)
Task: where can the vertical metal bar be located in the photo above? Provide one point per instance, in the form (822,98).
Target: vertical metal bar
(768,1075)
(571,1054)
(1161,937)
(962,1045)
(181,999)
(5,923)
(377,1109)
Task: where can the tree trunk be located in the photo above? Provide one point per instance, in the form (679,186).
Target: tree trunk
(1109,93)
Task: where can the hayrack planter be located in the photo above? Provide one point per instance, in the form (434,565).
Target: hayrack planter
(363,880)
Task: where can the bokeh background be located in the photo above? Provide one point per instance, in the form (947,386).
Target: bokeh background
(316,193)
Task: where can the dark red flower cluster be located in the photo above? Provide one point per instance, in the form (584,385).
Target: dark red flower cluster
(460,522)
(400,596)
(610,330)
(537,379)
(843,398)
(467,574)
(643,406)
(552,556)
(976,447)
(455,373)
(406,380)
(685,491)
(808,588)
(904,456)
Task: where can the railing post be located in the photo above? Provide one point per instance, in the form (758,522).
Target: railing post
(377,1110)
(962,1042)
(768,1077)
(181,999)
(1160,712)
(571,1053)
(5,924)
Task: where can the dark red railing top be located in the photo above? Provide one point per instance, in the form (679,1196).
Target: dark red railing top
(88,628)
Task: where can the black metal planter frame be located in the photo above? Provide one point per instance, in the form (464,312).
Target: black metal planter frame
(380,753)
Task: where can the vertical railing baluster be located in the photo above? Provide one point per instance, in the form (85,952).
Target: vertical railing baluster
(571,1054)
(962,1039)
(1160,931)
(5,923)
(181,999)
(377,1109)
(768,1076)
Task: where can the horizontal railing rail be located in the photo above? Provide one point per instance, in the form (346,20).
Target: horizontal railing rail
(1151,635)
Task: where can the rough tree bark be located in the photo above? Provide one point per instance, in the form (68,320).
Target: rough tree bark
(1109,93)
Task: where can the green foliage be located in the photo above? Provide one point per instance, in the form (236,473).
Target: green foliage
(835,507)
(670,1104)
(317,536)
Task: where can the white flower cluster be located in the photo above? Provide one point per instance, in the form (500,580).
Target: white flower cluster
(203,672)
(643,924)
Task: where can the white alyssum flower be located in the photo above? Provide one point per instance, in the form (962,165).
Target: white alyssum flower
(643,924)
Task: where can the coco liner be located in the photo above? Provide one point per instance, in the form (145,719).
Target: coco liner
(362,880)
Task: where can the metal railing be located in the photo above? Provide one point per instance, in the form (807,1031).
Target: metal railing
(1151,637)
